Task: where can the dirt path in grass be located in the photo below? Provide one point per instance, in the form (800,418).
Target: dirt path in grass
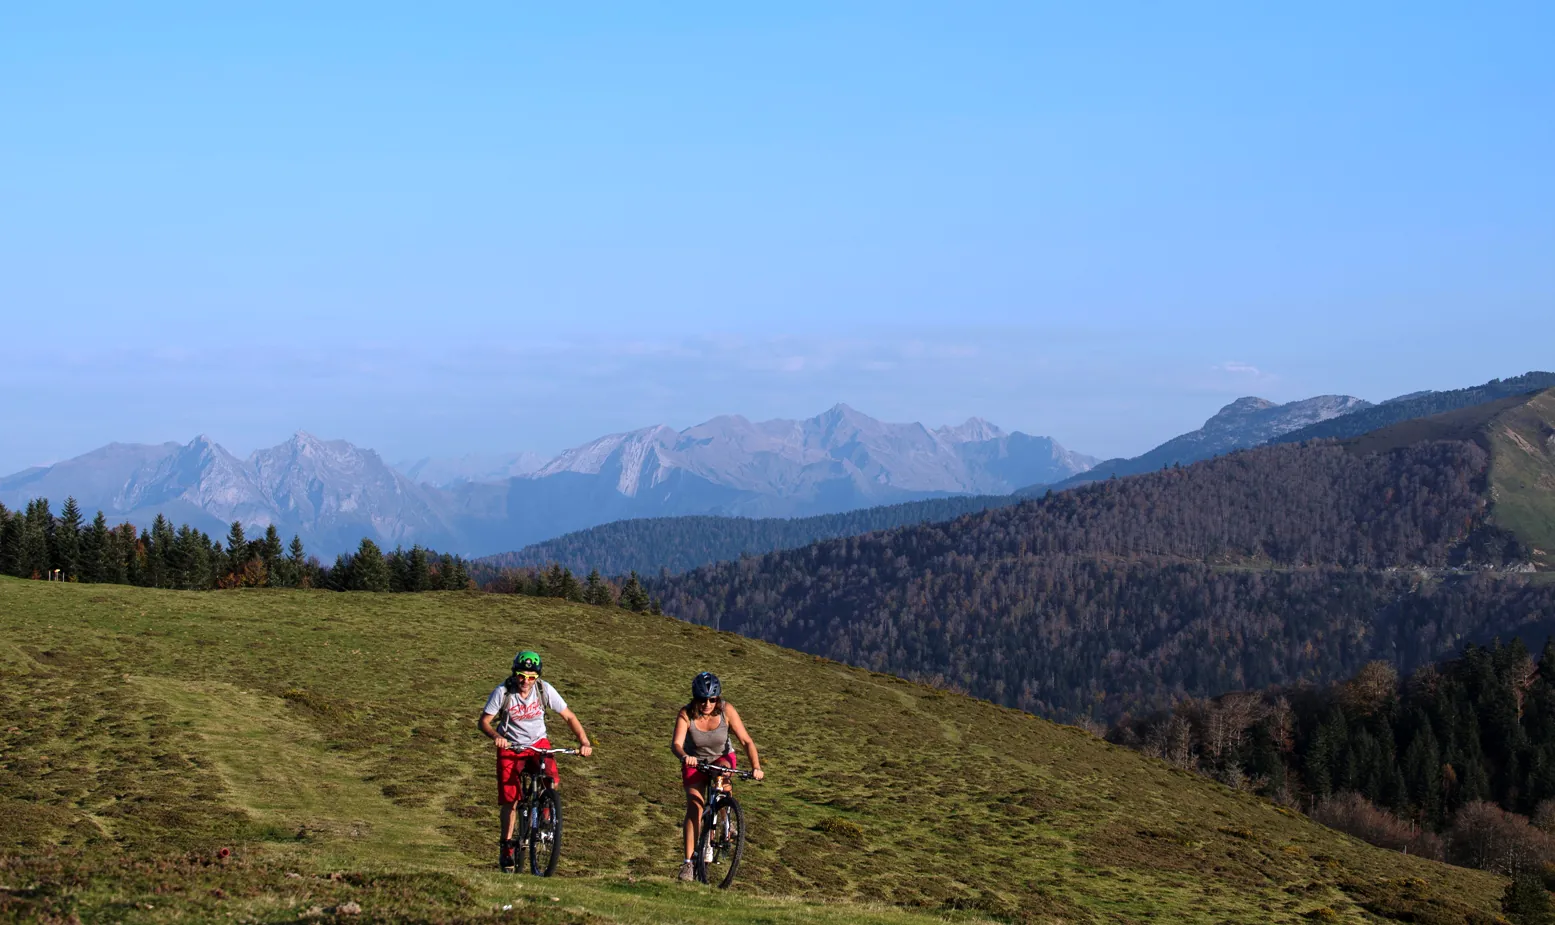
(281,772)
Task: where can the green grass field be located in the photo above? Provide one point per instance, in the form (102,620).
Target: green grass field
(327,741)
(1522,477)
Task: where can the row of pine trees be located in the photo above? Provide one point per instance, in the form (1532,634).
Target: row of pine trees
(559,582)
(36,543)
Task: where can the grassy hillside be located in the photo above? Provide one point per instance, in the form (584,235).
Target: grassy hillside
(682,543)
(327,741)
(1522,473)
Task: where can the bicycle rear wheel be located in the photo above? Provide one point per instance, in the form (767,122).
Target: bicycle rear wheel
(545,841)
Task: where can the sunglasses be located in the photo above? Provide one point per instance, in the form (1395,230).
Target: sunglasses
(529,675)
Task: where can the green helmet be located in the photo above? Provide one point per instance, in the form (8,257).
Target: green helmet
(526,661)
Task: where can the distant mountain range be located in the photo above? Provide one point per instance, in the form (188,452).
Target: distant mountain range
(676,544)
(1275,565)
(1245,423)
(332,493)
(328,491)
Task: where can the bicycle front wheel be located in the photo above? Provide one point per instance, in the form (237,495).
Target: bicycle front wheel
(721,844)
(545,841)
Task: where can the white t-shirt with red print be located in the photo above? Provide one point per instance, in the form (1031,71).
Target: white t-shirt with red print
(524,722)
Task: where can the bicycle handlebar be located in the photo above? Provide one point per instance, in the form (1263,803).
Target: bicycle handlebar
(543,751)
(708,767)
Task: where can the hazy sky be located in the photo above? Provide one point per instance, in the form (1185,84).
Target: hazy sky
(500,227)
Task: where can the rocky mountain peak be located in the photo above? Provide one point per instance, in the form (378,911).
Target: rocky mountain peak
(974,430)
(1248,404)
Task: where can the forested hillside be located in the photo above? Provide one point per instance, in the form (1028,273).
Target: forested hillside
(1418,406)
(678,544)
(1477,727)
(1270,566)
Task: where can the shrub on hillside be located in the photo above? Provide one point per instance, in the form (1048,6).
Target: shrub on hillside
(1486,836)
(1353,814)
(1526,902)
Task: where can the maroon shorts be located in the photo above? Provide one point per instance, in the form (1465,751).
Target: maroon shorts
(512,764)
(691,777)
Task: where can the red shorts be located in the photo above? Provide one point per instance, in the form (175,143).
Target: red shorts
(691,777)
(511,764)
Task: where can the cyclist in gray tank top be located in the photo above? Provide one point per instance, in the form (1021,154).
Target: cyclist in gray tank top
(703,729)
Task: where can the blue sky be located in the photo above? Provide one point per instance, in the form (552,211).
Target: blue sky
(500,228)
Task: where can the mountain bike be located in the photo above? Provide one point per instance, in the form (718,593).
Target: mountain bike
(538,828)
(721,837)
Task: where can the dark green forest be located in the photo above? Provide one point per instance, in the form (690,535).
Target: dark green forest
(36,543)
(1418,406)
(1477,727)
(653,545)
(1271,566)
(1455,763)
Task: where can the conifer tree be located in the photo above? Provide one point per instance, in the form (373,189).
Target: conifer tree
(297,564)
(270,553)
(159,551)
(457,576)
(184,559)
(67,540)
(1526,901)
(596,591)
(554,586)
(237,549)
(35,540)
(369,572)
(1327,753)
(338,577)
(10,542)
(94,550)
(418,576)
(570,589)
(398,564)
(633,597)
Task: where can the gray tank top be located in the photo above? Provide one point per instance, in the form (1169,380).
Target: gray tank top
(710,745)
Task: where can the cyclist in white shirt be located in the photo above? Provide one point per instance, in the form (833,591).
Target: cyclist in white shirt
(514,718)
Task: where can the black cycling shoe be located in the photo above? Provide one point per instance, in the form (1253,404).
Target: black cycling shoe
(506,861)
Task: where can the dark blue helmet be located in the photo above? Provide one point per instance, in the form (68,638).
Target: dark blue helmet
(705,686)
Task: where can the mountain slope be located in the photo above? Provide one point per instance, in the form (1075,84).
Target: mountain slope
(342,493)
(446,472)
(1246,422)
(102,473)
(1417,405)
(326,740)
(1273,565)
(1519,434)
(679,544)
